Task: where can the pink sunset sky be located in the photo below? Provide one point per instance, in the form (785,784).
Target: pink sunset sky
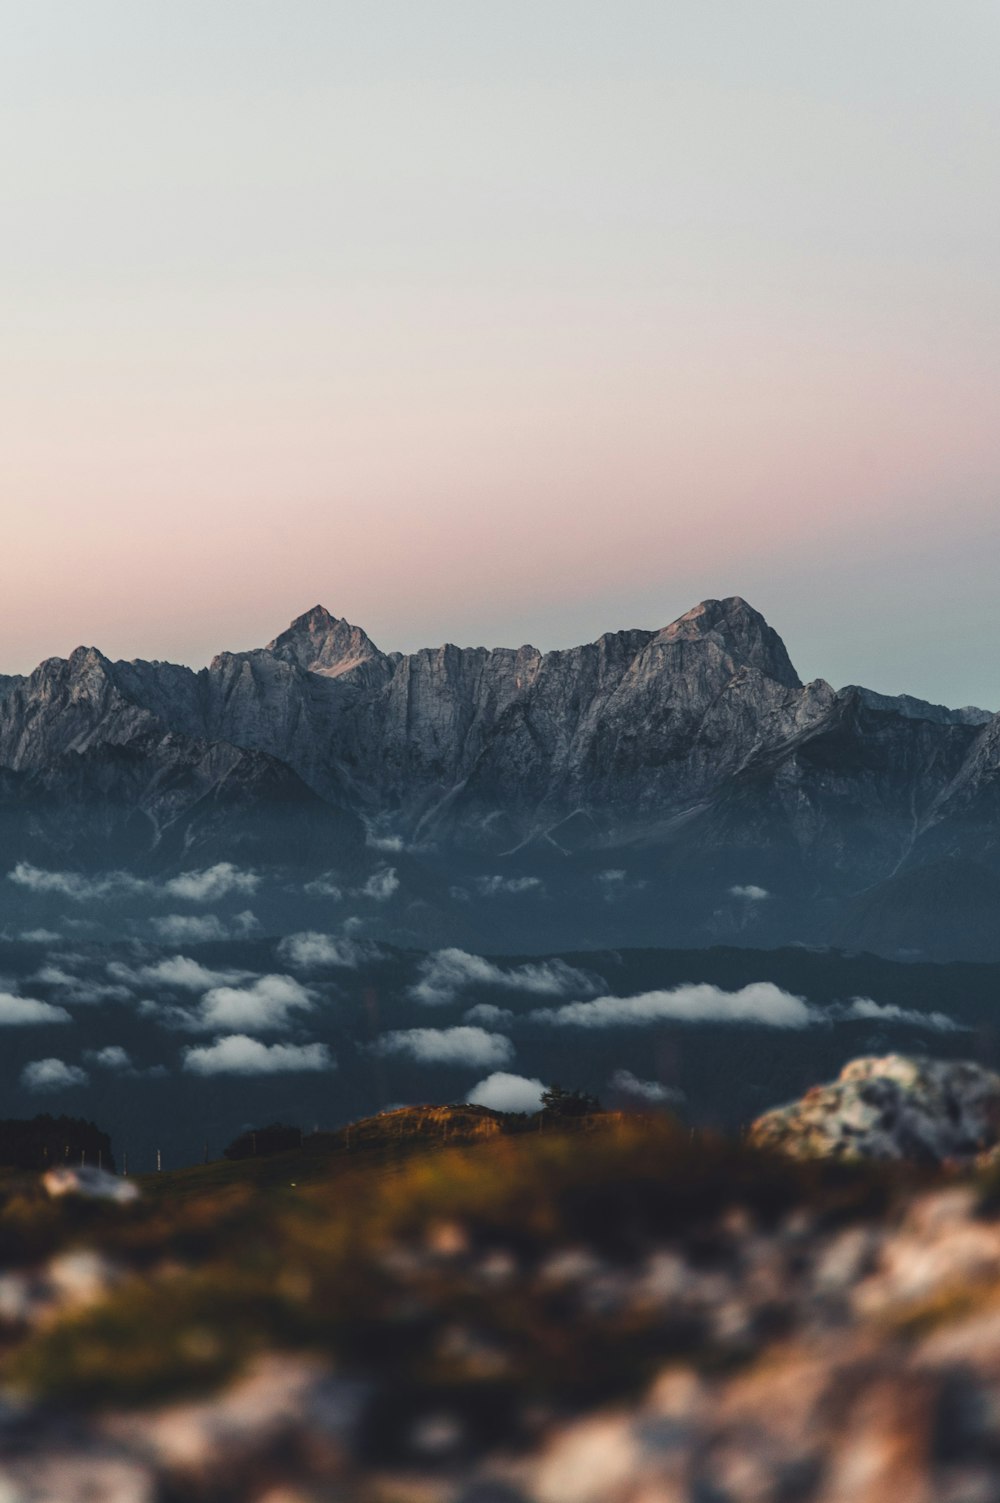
(504,323)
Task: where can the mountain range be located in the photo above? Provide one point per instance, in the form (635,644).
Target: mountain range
(680,786)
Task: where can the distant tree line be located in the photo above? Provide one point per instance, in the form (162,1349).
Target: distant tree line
(258,1142)
(557,1102)
(43,1142)
(558,1105)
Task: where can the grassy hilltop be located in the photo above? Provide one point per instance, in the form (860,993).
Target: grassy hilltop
(302,1250)
(443,1299)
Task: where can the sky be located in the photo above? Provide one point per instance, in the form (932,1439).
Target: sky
(503,323)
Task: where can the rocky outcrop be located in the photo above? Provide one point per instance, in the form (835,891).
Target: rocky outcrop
(930,1111)
(321,643)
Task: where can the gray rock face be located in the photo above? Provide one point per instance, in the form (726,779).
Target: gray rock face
(919,709)
(931,1110)
(697,742)
(320,643)
(457,741)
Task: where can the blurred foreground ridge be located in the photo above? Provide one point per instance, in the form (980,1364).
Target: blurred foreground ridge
(446,1305)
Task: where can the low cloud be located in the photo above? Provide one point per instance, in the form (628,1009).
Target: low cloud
(446,973)
(311,950)
(750,893)
(448,1046)
(207,886)
(39,937)
(238,1054)
(384,842)
(15,1011)
(202,928)
(112,1057)
(324,887)
(188,928)
(495,887)
(52,1075)
(118,1060)
(507,1093)
(177,971)
(76,886)
(77,989)
(381,885)
(215,882)
(265,1004)
(761,1003)
(651,1091)
(862,1008)
(488,1015)
(262,1007)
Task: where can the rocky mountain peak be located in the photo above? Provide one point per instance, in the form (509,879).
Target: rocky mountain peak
(323,643)
(82,658)
(734,626)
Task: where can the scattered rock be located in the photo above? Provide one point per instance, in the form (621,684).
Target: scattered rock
(68,1281)
(289,1407)
(96,1184)
(930,1111)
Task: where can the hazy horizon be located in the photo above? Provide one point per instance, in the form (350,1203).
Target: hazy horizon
(520,325)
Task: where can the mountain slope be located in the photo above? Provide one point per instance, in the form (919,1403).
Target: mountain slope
(691,762)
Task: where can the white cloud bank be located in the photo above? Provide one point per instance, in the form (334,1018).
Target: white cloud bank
(381,885)
(496,887)
(750,893)
(377,842)
(488,1015)
(238,1054)
(76,886)
(761,1002)
(863,1007)
(176,971)
(446,973)
(202,928)
(507,1093)
(52,1075)
(448,1046)
(215,882)
(15,1011)
(652,1091)
(324,887)
(112,1057)
(118,1060)
(77,989)
(261,1007)
(312,951)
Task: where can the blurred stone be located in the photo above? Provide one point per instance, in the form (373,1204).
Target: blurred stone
(76,1477)
(96,1184)
(79,1278)
(284,1405)
(896,1107)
